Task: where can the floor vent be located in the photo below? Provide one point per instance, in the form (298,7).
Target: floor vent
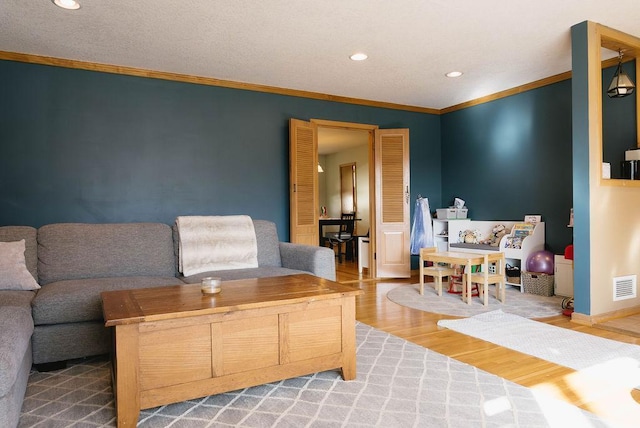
(624,287)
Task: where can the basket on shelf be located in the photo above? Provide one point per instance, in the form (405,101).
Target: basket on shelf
(513,274)
(537,283)
(513,279)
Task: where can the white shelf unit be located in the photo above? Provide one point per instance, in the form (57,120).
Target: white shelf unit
(515,257)
(441,231)
(530,244)
(441,234)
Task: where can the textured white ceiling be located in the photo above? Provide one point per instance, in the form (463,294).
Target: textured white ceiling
(305,44)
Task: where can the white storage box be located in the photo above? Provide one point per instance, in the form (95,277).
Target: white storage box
(461,212)
(446,213)
(633,154)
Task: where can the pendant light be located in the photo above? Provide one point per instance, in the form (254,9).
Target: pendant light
(621,85)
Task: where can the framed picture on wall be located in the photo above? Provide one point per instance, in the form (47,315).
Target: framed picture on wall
(535,219)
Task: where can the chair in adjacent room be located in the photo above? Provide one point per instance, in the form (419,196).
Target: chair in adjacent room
(492,272)
(363,252)
(343,236)
(436,271)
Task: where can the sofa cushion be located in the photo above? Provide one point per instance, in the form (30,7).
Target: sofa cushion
(227,275)
(78,250)
(268,244)
(17,327)
(79,300)
(29,234)
(17,298)
(13,269)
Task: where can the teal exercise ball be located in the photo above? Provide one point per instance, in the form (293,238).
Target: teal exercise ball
(541,262)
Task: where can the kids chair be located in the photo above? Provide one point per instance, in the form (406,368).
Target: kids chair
(436,271)
(486,277)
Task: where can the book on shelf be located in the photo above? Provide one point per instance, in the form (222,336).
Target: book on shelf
(514,242)
(522,230)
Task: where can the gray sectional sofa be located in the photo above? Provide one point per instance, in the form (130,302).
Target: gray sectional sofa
(15,332)
(74,263)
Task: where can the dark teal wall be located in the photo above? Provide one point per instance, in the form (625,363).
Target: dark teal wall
(81,146)
(618,122)
(512,157)
(96,147)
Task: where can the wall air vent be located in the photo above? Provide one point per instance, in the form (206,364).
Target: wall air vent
(624,287)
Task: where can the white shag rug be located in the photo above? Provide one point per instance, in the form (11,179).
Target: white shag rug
(616,361)
(523,304)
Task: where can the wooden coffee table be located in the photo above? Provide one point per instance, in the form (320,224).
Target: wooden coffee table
(174,343)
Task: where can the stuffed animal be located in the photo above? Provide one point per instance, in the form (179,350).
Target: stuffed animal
(469,236)
(497,233)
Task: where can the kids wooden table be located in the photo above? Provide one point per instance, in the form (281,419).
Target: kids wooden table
(458,258)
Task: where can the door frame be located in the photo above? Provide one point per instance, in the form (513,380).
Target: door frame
(320,123)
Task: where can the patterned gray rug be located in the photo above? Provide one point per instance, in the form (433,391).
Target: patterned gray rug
(523,304)
(399,384)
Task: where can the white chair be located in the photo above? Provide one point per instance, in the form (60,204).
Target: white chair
(363,253)
(486,277)
(436,271)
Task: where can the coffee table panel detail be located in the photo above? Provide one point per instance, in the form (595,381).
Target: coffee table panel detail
(235,338)
(174,355)
(312,333)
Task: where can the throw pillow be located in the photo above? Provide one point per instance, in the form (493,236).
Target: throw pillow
(13,269)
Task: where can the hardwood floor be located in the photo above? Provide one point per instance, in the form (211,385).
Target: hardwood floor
(628,325)
(595,395)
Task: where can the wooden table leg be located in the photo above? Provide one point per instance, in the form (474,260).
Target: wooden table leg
(126,366)
(467,284)
(348,338)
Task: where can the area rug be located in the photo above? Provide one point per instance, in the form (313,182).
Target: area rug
(523,304)
(398,384)
(617,361)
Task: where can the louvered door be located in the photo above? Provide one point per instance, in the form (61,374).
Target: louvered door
(393,259)
(303,182)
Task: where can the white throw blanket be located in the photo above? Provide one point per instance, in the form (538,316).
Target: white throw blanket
(210,243)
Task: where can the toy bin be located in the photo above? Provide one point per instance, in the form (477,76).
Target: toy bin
(513,274)
(537,283)
(461,212)
(446,213)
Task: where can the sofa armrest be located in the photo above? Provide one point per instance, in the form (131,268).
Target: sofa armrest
(320,261)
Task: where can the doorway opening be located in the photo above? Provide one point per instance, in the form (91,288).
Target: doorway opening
(388,192)
(344,155)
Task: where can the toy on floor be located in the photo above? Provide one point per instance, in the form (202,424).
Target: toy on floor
(567,306)
(456,282)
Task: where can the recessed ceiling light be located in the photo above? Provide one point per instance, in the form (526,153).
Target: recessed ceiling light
(454,74)
(359,56)
(67,4)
